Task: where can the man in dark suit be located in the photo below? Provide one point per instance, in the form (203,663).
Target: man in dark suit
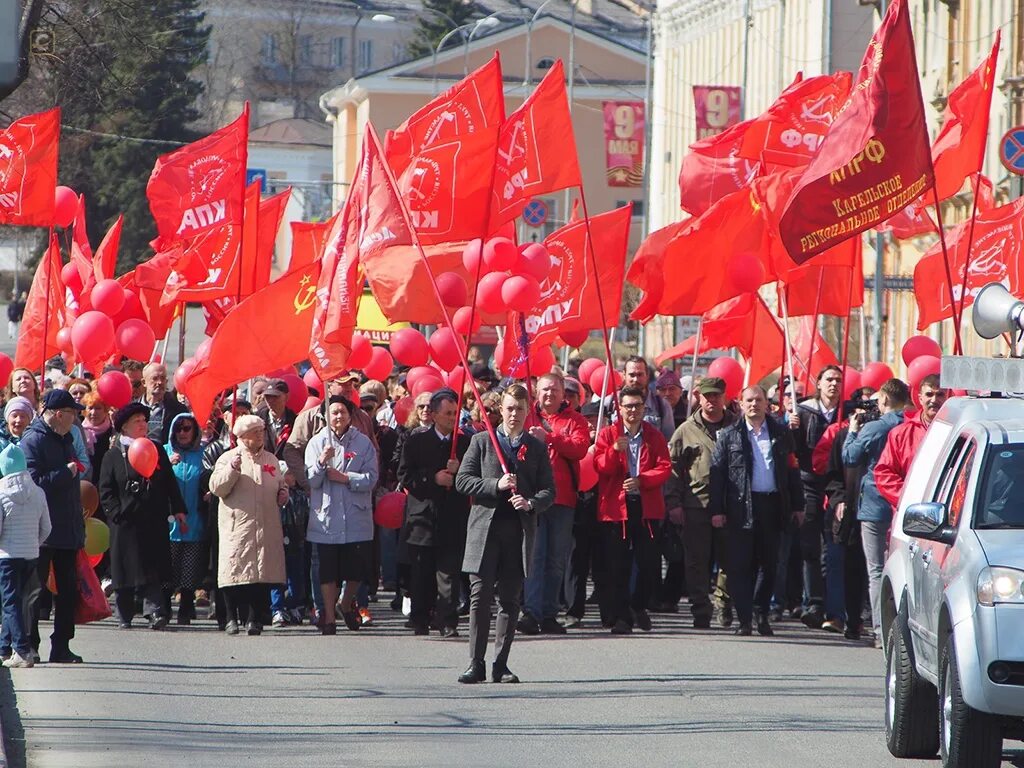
(502,522)
(163,406)
(755,488)
(435,516)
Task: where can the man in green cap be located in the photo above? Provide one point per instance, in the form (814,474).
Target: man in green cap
(687,498)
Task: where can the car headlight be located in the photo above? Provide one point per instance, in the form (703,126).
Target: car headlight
(1000,585)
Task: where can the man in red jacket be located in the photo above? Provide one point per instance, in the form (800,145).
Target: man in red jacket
(901,444)
(567,436)
(632,462)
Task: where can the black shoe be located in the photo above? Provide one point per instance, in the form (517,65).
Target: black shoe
(775,615)
(813,618)
(852,633)
(643,620)
(64,657)
(157,622)
(124,625)
(231,627)
(743,630)
(503,675)
(352,620)
(702,623)
(552,627)
(420,630)
(328,629)
(184,621)
(254,628)
(449,632)
(725,616)
(474,673)
(764,629)
(464,609)
(621,628)
(665,607)
(396,604)
(528,625)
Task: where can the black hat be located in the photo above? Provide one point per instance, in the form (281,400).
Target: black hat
(56,399)
(482,372)
(125,413)
(590,409)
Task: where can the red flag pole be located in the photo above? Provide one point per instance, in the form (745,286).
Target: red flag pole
(849,317)
(957,344)
(469,338)
(814,332)
(241,255)
(970,243)
(46,316)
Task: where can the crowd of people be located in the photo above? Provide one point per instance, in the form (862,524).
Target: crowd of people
(752,507)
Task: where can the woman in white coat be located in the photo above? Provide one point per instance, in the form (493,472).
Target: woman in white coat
(341,464)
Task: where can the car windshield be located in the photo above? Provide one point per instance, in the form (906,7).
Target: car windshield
(1003,494)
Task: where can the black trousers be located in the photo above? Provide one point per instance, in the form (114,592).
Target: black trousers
(632,542)
(154,602)
(66,578)
(501,571)
(753,553)
(586,557)
(854,579)
(701,542)
(247,603)
(810,539)
(435,587)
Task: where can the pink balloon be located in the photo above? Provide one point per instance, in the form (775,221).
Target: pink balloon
(456,378)
(182,372)
(107,297)
(461,320)
(403,409)
(542,360)
(115,389)
(520,292)
(132,309)
(430,383)
(143,456)
(203,351)
(452,288)
(409,347)
(135,339)
(575,339)
(587,368)
(597,381)
(488,293)
(746,271)
(851,382)
(71,277)
(415,374)
(916,346)
(389,512)
(6,369)
(297,391)
(444,348)
(534,261)
(921,366)
(875,375)
(65,206)
(380,365)
(500,254)
(312,381)
(362,352)
(471,257)
(92,336)
(731,371)
(311,402)
(588,472)
(64,341)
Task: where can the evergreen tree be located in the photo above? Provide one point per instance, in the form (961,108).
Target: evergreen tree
(431,27)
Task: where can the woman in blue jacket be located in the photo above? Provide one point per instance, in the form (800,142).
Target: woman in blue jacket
(188,558)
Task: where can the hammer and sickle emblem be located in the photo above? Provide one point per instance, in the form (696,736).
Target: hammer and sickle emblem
(305,297)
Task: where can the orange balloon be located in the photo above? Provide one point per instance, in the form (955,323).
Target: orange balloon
(90,499)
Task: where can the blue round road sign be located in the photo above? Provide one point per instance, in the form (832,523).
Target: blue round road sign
(1011,150)
(535,213)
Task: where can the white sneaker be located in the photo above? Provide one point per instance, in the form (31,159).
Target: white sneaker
(407,606)
(108,587)
(17,660)
(279,619)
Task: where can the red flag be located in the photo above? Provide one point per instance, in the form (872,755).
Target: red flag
(267,331)
(959,149)
(104,260)
(372,221)
(996,256)
(443,157)
(713,168)
(912,221)
(809,345)
(308,241)
(983,188)
(81,251)
(823,288)
(159,317)
(874,159)
(536,150)
(260,234)
(44,312)
(166,270)
(28,169)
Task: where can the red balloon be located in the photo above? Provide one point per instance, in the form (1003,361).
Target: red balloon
(575,339)
(415,374)
(588,472)
(924,365)
(143,456)
(135,339)
(64,341)
(471,256)
(597,381)
(182,372)
(500,254)
(311,402)
(430,383)
(409,347)
(461,320)
(488,293)
(312,381)
(380,365)
(852,382)
(452,288)
(362,352)
(65,206)
(132,309)
(444,348)
(92,336)
(71,277)
(916,346)
(875,375)
(403,409)
(6,369)
(587,368)
(203,351)
(542,360)
(534,261)
(389,511)
(115,389)
(731,371)
(520,292)
(297,392)
(456,378)
(746,271)
(107,297)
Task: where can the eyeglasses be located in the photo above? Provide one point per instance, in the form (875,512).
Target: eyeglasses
(183,428)
(425,405)
(631,406)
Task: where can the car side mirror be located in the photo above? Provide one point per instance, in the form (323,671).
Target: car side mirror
(927,520)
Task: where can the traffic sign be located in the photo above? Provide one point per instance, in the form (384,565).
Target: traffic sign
(1011,150)
(535,213)
(256,174)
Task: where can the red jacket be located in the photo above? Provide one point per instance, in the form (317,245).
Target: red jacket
(612,469)
(568,442)
(894,463)
(823,450)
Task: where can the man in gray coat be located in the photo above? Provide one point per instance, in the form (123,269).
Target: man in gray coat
(502,522)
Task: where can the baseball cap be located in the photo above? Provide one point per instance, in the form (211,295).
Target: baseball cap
(56,399)
(344,376)
(668,379)
(711,385)
(276,387)
(572,385)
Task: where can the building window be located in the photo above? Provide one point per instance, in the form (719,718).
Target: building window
(304,44)
(365,55)
(338,52)
(638,207)
(268,53)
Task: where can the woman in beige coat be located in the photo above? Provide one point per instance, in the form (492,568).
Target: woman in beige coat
(251,489)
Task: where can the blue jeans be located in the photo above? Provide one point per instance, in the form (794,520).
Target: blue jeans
(284,597)
(550,555)
(14,574)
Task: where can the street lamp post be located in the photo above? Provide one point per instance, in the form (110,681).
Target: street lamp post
(528,71)
(440,45)
(485,22)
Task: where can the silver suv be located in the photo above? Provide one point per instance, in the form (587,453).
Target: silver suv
(953,589)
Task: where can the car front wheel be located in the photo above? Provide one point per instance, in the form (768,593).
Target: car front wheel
(911,727)
(969,738)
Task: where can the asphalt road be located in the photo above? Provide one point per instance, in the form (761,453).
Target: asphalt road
(381,697)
